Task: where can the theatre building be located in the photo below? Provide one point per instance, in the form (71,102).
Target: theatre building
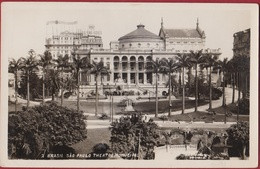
(129,56)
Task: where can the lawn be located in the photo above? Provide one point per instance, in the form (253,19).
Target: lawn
(231,108)
(205,116)
(94,136)
(149,107)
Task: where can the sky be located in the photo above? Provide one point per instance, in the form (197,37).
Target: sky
(24,24)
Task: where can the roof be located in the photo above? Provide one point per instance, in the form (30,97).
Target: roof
(140,32)
(183,33)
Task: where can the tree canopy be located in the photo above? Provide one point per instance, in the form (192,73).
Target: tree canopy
(38,130)
(131,135)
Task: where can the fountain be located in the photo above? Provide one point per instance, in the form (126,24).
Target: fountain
(129,106)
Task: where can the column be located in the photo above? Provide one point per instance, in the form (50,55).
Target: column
(145,78)
(128,77)
(80,77)
(92,79)
(111,77)
(159,78)
(120,69)
(137,75)
(154,80)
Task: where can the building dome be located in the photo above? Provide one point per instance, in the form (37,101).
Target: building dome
(141,33)
(140,39)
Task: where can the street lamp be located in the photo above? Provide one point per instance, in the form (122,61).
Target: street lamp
(111,104)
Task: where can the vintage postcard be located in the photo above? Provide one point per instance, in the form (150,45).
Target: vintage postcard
(129,85)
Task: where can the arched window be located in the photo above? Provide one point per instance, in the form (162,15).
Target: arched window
(140,63)
(124,63)
(132,63)
(116,63)
(139,45)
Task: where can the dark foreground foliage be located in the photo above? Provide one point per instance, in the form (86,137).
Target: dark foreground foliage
(238,138)
(41,130)
(133,138)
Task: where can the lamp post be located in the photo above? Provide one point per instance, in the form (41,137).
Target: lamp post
(111,105)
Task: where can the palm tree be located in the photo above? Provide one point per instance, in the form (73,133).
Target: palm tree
(154,66)
(196,58)
(232,71)
(77,65)
(168,67)
(183,62)
(223,66)
(210,62)
(53,79)
(242,64)
(29,64)
(62,63)
(45,61)
(98,70)
(14,67)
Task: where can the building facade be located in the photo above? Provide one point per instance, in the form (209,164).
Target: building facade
(241,47)
(129,56)
(66,41)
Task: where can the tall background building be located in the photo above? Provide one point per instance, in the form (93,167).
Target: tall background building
(241,47)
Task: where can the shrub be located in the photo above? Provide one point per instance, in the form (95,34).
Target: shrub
(163,118)
(164,93)
(103,116)
(38,130)
(67,94)
(181,157)
(132,135)
(238,138)
(204,92)
(100,151)
(244,106)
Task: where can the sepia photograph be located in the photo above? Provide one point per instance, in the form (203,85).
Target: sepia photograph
(129,85)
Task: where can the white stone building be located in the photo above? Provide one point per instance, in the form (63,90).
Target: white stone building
(128,56)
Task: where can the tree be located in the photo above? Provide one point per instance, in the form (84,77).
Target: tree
(154,66)
(232,71)
(53,79)
(29,65)
(238,137)
(183,62)
(62,63)
(98,70)
(242,63)
(45,61)
(168,67)
(39,130)
(14,67)
(209,62)
(223,66)
(35,85)
(132,135)
(173,81)
(196,58)
(70,83)
(77,65)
